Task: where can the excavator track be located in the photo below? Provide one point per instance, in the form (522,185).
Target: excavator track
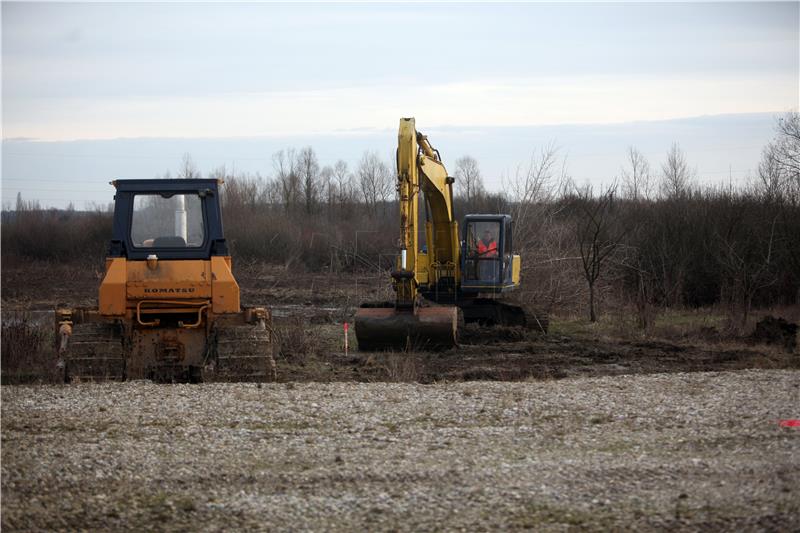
(95,353)
(538,321)
(491,312)
(243,352)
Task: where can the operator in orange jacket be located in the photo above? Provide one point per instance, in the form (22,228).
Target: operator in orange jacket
(487,247)
(487,250)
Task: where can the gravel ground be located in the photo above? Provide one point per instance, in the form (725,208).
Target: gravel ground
(698,451)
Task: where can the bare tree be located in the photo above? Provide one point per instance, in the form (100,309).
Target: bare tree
(788,143)
(636,180)
(308,168)
(779,169)
(531,190)
(27,205)
(538,235)
(374,179)
(598,235)
(285,164)
(343,180)
(327,188)
(219,173)
(242,192)
(272,192)
(675,174)
(188,169)
(468,178)
(745,251)
(772,181)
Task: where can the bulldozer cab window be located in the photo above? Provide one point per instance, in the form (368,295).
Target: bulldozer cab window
(174,221)
(483,251)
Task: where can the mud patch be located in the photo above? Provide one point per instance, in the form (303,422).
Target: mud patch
(778,331)
(546,358)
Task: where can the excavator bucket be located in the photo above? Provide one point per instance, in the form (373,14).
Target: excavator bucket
(386,328)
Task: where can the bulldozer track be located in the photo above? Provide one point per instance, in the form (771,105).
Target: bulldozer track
(95,353)
(244,353)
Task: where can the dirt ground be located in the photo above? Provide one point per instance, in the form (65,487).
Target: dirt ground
(309,311)
(590,427)
(697,451)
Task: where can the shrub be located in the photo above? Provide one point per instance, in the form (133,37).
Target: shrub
(27,354)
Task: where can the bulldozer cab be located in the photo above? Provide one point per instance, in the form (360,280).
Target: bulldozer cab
(487,254)
(171,219)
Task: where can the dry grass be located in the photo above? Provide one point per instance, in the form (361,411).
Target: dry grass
(706,324)
(298,340)
(403,367)
(27,354)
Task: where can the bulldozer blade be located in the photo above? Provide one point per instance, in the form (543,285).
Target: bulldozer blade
(429,328)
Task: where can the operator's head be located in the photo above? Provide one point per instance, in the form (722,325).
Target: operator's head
(487,235)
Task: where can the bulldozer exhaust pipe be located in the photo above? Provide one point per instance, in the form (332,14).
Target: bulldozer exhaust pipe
(181,227)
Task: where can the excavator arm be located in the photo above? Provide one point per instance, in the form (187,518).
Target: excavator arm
(407,323)
(419,168)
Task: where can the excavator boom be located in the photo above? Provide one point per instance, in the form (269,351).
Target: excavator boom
(408,323)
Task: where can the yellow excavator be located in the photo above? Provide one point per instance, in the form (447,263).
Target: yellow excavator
(451,278)
(169,306)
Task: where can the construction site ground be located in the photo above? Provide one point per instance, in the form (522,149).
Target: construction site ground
(309,312)
(697,451)
(593,427)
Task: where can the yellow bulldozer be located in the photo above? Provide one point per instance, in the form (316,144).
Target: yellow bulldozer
(454,277)
(169,306)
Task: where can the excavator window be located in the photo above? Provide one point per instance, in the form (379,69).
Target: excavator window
(483,251)
(167,221)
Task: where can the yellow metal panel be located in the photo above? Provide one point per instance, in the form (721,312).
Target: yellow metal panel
(422,269)
(172,279)
(408,188)
(112,289)
(224,290)
(433,181)
(516,268)
(456,244)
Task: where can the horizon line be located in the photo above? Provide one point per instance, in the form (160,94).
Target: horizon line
(365,130)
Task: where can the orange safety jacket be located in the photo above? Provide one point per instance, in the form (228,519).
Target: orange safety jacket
(487,250)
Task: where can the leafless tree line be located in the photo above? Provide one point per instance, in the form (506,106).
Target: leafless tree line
(652,239)
(299,185)
(660,241)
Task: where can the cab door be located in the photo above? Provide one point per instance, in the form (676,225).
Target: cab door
(483,264)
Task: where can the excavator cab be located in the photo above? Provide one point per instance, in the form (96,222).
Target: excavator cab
(488,264)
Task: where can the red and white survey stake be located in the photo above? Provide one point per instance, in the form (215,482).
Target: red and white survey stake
(346,327)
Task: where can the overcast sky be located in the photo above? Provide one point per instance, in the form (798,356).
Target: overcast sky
(294,74)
